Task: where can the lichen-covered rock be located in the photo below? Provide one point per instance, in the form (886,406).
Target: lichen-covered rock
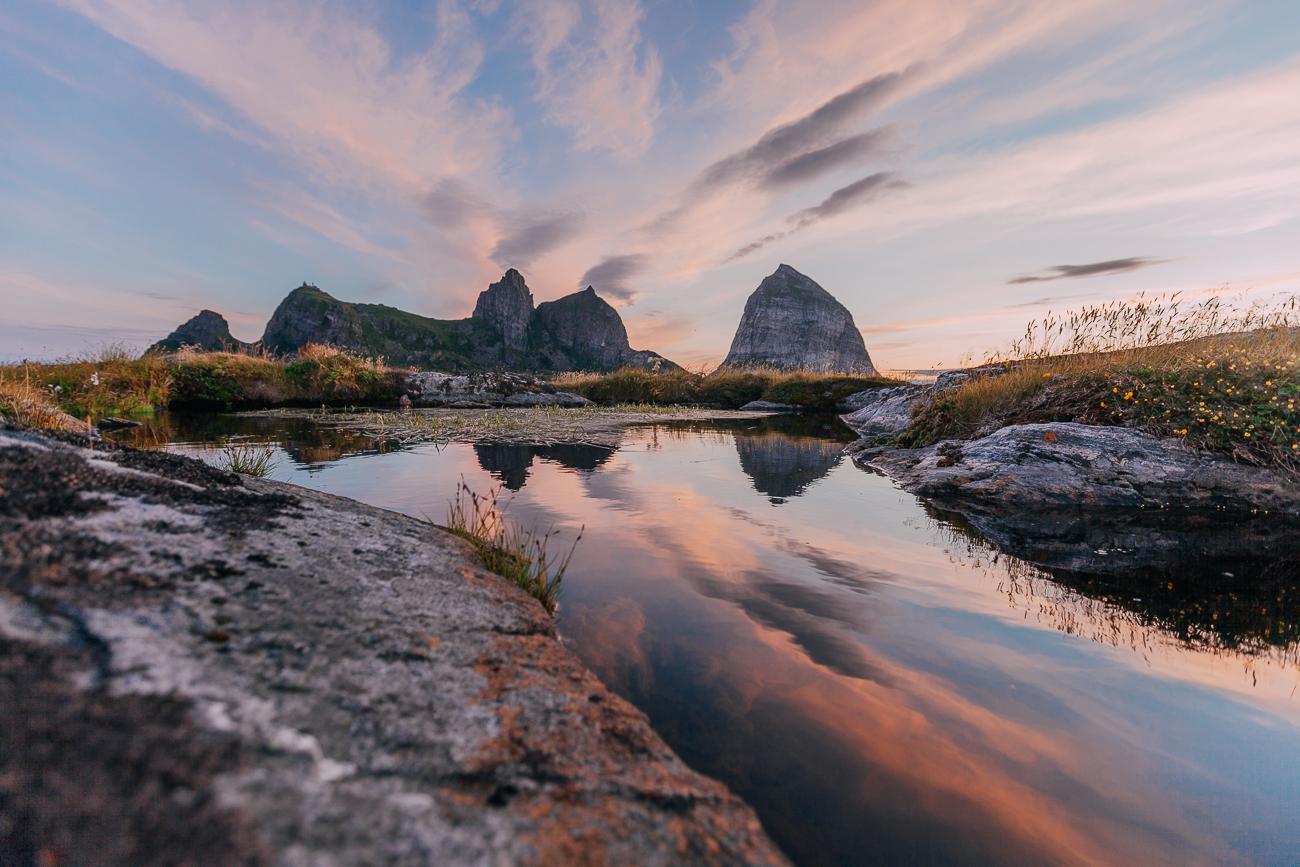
(1072,465)
(196,665)
(208,331)
(792,323)
(880,412)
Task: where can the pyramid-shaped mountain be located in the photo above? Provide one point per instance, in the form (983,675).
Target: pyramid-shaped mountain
(792,323)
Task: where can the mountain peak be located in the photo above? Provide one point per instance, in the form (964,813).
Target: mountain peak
(507,305)
(791,322)
(207,330)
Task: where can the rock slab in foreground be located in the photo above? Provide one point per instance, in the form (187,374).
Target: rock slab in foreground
(201,668)
(1075,465)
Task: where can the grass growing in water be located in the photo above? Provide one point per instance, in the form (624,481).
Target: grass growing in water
(517,553)
(1225,379)
(248,460)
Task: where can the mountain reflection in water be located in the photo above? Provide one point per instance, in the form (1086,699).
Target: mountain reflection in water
(879,679)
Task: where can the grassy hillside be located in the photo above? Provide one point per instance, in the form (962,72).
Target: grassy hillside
(114,382)
(1226,381)
(309,315)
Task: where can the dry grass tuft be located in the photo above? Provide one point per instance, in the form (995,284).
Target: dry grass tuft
(516,553)
(113,382)
(1225,378)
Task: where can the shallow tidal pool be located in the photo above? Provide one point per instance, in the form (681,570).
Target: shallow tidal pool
(878,682)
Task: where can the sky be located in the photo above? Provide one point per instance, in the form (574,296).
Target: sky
(947,170)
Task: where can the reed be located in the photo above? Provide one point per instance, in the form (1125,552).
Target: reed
(1224,377)
(517,553)
(248,460)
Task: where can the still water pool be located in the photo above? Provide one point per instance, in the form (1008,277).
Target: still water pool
(873,678)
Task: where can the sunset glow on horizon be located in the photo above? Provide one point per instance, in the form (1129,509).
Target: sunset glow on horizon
(948,171)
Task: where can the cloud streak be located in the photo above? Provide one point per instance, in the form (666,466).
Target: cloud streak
(611,275)
(530,239)
(805,139)
(813,164)
(858,193)
(1091,269)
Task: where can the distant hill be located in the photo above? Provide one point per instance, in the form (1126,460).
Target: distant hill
(207,330)
(580,331)
(792,323)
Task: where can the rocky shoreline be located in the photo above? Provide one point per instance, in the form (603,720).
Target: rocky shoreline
(1057,465)
(1082,499)
(196,662)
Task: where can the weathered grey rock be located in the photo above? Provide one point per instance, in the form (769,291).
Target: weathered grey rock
(507,306)
(1075,465)
(768,406)
(195,665)
(475,390)
(880,412)
(207,331)
(792,323)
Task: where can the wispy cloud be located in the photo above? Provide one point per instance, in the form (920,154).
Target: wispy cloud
(1091,269)
(815,163)
(452,201)
(531,238)
(845,198)
(857,193)
(600,82)
(805,138)
(610,276)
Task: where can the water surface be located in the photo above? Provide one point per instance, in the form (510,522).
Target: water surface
(878,682)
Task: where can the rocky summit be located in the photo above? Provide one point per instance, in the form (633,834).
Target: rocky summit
(507,306)
(207,331)
(580,331)
(792,323)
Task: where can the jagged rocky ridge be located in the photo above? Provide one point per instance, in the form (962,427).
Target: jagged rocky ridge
(580,331)
(792,323)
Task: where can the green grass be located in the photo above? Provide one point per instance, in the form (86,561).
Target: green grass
(729,389)
(1225,381)
(248,460)
(516,553)
(115,382)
